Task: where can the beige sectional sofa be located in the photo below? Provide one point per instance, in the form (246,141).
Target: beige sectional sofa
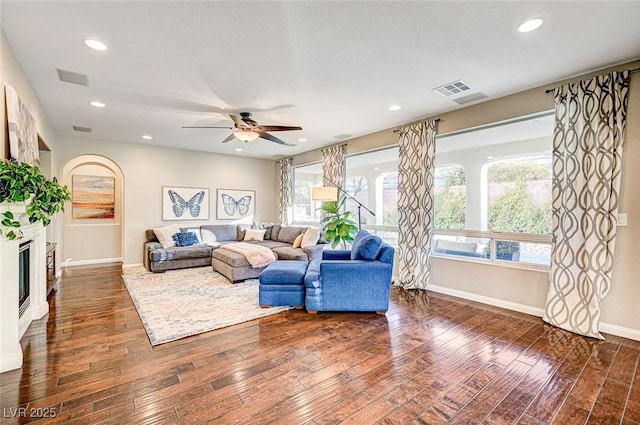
(234,266)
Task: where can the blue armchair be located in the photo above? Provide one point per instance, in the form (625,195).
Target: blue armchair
(356,280)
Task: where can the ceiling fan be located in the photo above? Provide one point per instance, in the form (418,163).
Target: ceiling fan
(248,129)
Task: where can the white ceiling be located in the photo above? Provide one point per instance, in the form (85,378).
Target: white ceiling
(332,68)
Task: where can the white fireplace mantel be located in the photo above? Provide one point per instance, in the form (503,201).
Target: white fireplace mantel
(12,327)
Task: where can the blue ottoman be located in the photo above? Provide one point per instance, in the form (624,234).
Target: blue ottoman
(282,283)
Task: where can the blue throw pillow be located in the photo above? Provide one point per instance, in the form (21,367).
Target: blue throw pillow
(185,239)
(366,248)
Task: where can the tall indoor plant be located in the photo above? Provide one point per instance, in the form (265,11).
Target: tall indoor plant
(338,226)
(23,183)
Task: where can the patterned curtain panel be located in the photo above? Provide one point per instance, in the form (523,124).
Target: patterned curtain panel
(590,120)
(415,203)
(286,191)
(333,167)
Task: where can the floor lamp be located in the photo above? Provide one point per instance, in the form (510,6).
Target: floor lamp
(328,193)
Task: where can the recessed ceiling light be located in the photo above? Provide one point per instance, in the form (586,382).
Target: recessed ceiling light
(95,44)
(530,25)
(376,168)
(239,149)
(147,137)
(394,107)
(97,104)
(489,157)
(302,139)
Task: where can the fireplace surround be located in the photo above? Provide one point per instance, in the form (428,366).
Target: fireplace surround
(13,324)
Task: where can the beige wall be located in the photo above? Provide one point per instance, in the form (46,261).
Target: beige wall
(527,289)
(146,168)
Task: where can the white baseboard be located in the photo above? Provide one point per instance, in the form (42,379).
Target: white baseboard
(130,266)
(620,331)
(497,302)
(527,309)
(11,360)
(96,261)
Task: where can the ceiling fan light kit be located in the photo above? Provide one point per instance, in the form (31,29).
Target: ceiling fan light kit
(246,136)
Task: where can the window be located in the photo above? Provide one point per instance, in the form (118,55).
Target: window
(450,197)
(372,178)
(492,192)
(519,195)
(305,210)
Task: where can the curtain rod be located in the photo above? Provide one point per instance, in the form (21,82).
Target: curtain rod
(631,71)
(397,130)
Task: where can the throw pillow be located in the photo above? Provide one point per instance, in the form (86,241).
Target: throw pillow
(185,239)
(366,248)
(267,225)
(310,237)
(297,242)
(165,235)
(254,235)
(196,232)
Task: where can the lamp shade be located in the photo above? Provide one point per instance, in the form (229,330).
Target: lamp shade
(324,193)
(246,136)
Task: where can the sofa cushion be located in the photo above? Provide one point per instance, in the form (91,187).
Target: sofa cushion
(185,239)
(180,253)
(275,232)
(165,235)
(290,253)
(212,233)
(289,234)
(271,244)
(366,248)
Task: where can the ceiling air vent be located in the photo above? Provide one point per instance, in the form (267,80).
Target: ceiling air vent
(469,98)
(83,129)
(73,77)
(452,88)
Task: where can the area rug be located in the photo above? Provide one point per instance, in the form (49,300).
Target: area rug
(181,303)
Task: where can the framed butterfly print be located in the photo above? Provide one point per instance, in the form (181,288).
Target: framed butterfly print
(185,203)
(234,204)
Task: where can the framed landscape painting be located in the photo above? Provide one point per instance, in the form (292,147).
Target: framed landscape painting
(185,203)
(93,197)
(233,204)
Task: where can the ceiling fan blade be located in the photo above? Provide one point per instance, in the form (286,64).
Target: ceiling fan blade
(279,128)
(238,121)
(206,126)
(271,138)
(229,138)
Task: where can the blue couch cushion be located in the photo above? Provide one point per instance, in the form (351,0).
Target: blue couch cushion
(366,248)
(185,239)
(284,273)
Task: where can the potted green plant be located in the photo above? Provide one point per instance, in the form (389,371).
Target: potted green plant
(23,183)
(338,226)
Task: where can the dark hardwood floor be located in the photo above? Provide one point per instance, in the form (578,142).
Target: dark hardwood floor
(432,359)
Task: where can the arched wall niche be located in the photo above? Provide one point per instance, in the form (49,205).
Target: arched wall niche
(92,240)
